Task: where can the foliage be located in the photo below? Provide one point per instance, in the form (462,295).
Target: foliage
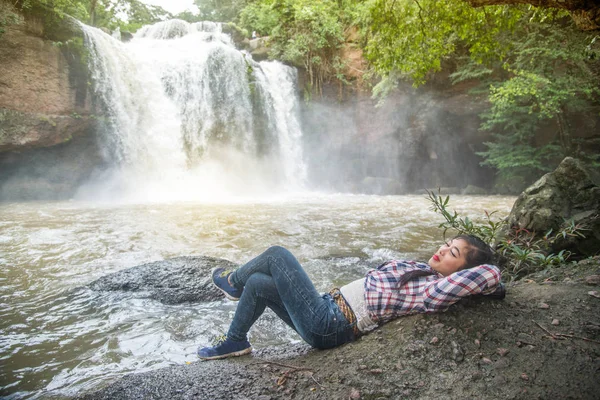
(135,14)
(551,80)
(519,251)
(8,16)
(126,14)
(305,33)
(412,38)
(219,10)
(260,17)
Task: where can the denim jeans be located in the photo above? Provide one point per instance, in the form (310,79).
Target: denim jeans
(275,279)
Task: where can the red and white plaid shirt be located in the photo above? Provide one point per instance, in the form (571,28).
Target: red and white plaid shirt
(406,287)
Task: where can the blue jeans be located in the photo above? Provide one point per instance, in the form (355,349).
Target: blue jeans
(275,279)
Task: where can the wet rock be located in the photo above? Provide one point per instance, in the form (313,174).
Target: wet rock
(567,194)
(172,281)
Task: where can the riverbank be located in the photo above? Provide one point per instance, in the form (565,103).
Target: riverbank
(541,341)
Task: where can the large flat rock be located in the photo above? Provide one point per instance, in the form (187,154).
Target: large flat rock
(172,281)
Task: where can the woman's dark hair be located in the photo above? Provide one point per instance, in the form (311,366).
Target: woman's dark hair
(479,251)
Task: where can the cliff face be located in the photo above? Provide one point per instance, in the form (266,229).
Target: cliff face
(45,108)
(43,94)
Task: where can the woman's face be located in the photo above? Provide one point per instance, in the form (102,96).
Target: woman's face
(451,257)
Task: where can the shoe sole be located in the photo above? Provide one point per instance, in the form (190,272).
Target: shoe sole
(234,354)
(230,297)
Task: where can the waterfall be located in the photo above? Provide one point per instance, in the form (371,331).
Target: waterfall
(186,115)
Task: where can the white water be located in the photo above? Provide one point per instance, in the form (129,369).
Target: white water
(189,117)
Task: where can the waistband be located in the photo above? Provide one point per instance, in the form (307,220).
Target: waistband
(345,308)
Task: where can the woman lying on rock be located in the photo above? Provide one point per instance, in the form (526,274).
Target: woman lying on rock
(275,279)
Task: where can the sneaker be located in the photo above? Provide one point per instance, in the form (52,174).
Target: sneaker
(223,348)
(220,279)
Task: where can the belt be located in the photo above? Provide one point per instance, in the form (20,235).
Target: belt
(345,309)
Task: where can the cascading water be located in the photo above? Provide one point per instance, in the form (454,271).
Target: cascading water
(188,116)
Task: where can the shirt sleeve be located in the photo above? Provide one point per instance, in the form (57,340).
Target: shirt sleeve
(442,293)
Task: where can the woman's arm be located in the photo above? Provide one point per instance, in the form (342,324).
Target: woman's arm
(441,294)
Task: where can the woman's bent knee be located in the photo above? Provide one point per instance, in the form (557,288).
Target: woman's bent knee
(278,251)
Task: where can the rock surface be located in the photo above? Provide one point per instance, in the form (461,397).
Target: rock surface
(173,281)
(48,143)
(485,349)
(568,193)
(43,94)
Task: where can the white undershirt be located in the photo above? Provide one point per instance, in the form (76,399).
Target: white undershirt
(354,293)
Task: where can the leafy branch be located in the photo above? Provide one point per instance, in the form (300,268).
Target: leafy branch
(519,251)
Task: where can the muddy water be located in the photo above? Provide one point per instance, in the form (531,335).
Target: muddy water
(57,338)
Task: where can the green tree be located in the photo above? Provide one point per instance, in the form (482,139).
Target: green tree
(411,38)
(260,17)
(130,15)
(219,10)
(551,85)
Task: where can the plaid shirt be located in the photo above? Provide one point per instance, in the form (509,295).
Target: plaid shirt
(406,287)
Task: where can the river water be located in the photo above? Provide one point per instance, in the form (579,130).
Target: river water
(58,338)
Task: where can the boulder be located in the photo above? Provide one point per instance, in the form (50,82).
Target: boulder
(569,195)
(259,49)
(172,281)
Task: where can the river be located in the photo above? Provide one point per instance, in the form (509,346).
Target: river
(58,338)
